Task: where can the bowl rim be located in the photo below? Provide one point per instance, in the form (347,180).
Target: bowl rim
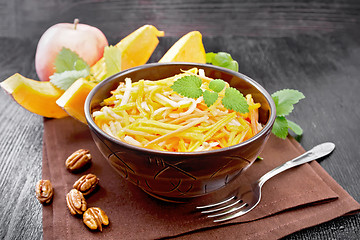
(91,123)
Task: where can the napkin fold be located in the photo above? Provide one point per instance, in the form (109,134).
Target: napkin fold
(296,199)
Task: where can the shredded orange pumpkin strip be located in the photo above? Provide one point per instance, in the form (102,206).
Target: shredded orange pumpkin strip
(150,114)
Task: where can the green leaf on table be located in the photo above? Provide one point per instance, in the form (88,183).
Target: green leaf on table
(67,60)
(188,86)
(280,127)
(234,100)
(285,100)
(295,127)
(112,56)
(64,79)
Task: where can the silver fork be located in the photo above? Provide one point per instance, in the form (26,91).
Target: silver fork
(247,197)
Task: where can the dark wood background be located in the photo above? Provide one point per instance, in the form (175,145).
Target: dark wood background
(312,46)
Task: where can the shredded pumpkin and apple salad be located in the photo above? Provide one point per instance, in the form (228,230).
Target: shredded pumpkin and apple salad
(152,114)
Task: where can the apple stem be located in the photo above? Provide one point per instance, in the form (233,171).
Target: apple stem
(76,21)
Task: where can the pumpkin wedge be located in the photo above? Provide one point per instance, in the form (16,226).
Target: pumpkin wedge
(73,99)
(188,48)
(35,96)
(136,50)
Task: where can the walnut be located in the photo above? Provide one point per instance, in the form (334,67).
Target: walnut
(86,184)
(76,202)
(44,191)
(78,160)
(94,218)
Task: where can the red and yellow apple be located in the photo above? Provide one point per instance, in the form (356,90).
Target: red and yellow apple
(87,41)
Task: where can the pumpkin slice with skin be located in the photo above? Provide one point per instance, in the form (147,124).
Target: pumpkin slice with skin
(136,50)
(73,99)
(35,96)
(188,48)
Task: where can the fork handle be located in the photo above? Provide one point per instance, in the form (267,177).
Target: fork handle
(316,152)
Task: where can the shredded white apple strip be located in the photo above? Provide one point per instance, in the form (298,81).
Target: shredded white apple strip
(132,141)
(127,92)
(173,133)
(150,114)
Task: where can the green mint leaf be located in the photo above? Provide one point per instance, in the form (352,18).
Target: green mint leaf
(209,57)
(233,65)
(276,101)
(67,60)
(80,65)
(222,59)
(112,56)
(210,97)
(217,85)
(234,100)
(280,127)
(285,99)
(188,86)
(295,127)
(64,80)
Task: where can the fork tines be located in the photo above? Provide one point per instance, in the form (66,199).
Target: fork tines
(222,208)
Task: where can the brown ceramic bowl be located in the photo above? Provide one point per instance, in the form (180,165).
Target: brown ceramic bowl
(180,175)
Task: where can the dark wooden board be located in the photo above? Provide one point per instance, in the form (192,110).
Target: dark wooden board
(312,46)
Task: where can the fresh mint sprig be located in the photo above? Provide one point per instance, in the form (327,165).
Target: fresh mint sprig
(190,86)
(69,66)
(284,102)
(284,99)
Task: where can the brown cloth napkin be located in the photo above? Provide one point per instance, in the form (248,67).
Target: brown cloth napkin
(296,199)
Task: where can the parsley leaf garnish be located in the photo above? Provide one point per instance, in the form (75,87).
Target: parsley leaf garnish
(284,102)
(190,86)
(222,59)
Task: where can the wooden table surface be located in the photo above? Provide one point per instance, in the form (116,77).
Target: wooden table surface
(312,46)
